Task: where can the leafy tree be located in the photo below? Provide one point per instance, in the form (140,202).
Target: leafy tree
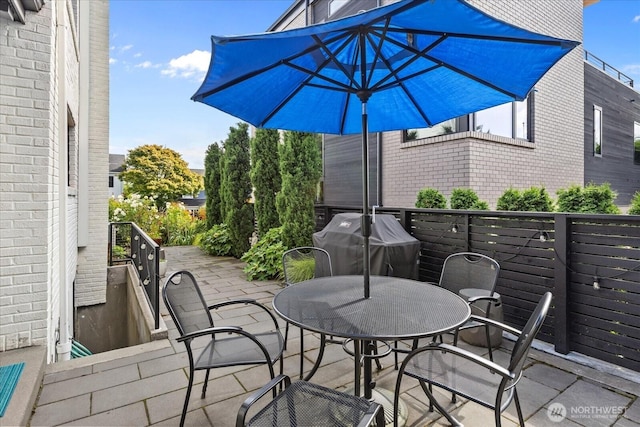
(265,177)
(212,184)
(160,173)
(431,198)
(301,168)
(235,189)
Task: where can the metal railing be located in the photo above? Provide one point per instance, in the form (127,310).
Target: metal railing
(128,243)
(613,72)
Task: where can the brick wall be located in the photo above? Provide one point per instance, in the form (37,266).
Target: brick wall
(91,279)
(27,152)
(38,253)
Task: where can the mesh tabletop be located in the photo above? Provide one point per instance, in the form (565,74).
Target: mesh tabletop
(397,309)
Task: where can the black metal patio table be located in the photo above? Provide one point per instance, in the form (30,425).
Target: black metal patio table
(397,309)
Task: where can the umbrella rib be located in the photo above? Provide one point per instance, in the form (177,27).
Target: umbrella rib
(311,74)
(400,82)
(271,66)
(423,53)
(378,50)
(555,42)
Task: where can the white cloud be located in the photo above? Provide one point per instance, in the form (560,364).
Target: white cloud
(137,55)
(145,64)
(126,48)
(636,19)
(631,69)
(112,60)
(192,65)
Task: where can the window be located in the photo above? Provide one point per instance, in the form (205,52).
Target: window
(636,143)
(72,151)
(597,131)
(335,5)
(110,182)
(443,128)
(510,120)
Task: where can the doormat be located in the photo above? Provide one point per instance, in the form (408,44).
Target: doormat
(9,376)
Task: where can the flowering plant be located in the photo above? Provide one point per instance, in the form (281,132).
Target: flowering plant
(141,210)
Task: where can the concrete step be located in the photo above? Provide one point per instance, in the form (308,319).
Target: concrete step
(22,402)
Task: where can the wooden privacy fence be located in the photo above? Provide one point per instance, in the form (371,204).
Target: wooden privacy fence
(591,264)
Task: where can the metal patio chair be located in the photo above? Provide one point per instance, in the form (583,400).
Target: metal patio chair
(307,404)
(471,376)
(227,345)
(300,264)
(465,270)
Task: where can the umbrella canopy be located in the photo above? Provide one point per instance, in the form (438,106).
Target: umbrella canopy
(416,62)
(411,64)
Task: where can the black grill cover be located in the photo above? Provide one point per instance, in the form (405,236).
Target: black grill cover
(394,252)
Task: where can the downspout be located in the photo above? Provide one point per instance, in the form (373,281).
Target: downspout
(63,348)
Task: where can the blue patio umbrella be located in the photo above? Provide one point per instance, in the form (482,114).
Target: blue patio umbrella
(411,64)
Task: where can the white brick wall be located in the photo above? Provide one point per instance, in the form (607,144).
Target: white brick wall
(554,159)
(32,141)
(91,279)
(26,144)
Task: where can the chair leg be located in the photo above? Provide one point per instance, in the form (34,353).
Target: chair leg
(204,386)
(286,335)
(301,352)
(488,335)
(518,408)
(186,399)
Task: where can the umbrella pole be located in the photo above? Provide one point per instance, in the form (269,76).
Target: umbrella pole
(366,218)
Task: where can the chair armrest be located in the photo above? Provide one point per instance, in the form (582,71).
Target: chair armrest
(472,300)
(210,331)
(257,395)
(486,363)
(495,323)
(245,301)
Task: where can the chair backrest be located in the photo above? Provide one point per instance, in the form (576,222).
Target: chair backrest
(523,344)
(469,270)
(185,303)
(304,263)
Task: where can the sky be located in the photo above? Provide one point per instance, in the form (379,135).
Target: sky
(160,50)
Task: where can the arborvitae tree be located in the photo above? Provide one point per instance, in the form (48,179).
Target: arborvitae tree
(301,168)
(235,189)
(212,184)
(265,177)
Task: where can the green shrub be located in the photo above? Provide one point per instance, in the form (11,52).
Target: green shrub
(216,241)
(534,199)
(509,200)
(264,259)
(590,199)
(635,204)
(466,198)
(431,198)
